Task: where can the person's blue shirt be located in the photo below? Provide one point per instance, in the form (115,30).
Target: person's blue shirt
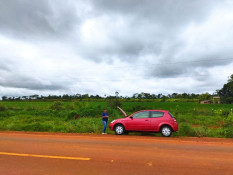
(105,114)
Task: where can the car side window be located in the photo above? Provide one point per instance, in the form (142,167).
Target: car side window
(144,114)
(155,114)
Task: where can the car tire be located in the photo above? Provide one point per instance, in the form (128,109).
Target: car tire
(166,131)
(119,129)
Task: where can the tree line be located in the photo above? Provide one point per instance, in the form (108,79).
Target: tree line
(141,95)
(225,94)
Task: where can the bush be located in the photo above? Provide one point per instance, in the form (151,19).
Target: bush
(2,108)
(71,115)
(69,107)
(37,127)
(57,106)
(114,103)
(186,130)
(230,119)
(61,114)
(225,113)
(201,132)
(228,132)
(228,126)
(89,112)
(199,111)
(81,104)
(136,108)
(84,125)
(31,108)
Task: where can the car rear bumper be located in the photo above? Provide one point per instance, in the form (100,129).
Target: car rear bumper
(175,127)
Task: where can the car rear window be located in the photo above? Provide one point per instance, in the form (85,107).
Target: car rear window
(155,114)
(171,115)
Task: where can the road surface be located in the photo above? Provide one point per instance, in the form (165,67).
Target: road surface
(67,154)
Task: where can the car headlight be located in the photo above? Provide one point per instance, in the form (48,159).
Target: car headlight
(113,121)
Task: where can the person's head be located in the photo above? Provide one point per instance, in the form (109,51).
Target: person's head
(105,110)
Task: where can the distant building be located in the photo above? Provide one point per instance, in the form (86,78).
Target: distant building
(206,102)
(216,100)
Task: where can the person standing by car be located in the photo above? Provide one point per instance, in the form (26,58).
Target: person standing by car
(105,120)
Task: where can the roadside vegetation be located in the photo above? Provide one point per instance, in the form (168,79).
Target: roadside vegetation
(82,113)
(194,119)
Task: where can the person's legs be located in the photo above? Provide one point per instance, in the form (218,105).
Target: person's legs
(105,125)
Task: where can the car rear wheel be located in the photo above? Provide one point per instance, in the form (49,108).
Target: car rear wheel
(119,129)
(166,131)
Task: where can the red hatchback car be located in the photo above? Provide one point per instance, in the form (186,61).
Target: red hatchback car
(145,120)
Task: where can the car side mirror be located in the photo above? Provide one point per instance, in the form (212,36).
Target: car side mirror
(131,117)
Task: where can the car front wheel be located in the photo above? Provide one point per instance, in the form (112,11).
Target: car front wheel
(166,131)
(119,129)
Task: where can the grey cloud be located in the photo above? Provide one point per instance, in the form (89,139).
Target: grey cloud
(146,33)
(35,18)
(6,64)
(196,69)
(4,67)
(16,80)
(169,12)
(151,25)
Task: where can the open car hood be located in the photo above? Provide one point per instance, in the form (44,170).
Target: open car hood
(122,111)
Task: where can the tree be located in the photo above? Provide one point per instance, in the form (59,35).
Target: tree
(205,96)
(226,93)
(116,93)
(4,98)
(114,102)
(164,98)
(160,95)
(135,95)
(185,95)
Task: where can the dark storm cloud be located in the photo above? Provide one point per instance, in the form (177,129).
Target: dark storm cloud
(22,18)
(19,81)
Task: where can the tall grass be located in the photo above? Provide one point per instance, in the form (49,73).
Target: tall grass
(194,119)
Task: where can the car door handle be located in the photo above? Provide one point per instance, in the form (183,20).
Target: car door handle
(147,120)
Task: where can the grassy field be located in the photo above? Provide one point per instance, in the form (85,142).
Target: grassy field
(194,119)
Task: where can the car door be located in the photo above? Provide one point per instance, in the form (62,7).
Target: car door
(156,117)
(139,121)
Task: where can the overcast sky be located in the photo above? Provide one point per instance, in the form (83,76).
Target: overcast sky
(103,46)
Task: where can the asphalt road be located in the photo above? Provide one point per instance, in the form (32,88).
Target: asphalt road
(68,154)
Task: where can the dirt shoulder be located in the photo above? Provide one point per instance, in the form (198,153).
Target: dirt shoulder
(123,137)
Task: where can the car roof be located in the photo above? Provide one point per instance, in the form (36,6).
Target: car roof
(154,110)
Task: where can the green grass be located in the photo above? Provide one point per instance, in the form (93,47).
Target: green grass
(194,119)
